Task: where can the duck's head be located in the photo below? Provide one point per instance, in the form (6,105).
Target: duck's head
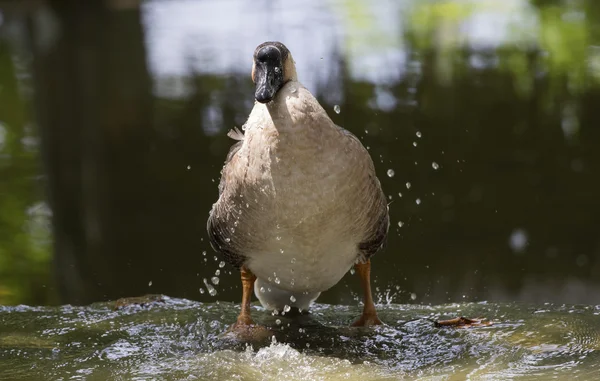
(273,67)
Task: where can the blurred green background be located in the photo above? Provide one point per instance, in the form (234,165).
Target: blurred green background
(113,121)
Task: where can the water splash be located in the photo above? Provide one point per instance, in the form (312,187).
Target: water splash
(211,290)
(174,338)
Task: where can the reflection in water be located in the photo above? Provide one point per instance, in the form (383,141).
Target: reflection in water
(485,112)
(183,340)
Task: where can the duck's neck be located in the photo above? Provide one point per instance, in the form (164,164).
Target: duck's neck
(283,113)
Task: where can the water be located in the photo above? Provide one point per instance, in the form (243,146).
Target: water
(176,339)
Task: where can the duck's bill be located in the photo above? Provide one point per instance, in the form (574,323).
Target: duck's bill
(267,83)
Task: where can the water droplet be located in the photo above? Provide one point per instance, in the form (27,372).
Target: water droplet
(150,284)
(407,185)
(286,308)
(352,271)
(278,322)
(418,201)
(418,133)
(413,296)
(281,251)
(414,144)
(218,272)
(292,299)
(293,260)
(215,280)
(222,264)
(278,238)
(277,69)
(435,165)
(277,280)
(201,290)
(292,282)
(211,290)
(518,240)
(204,253)
(399,194)
(189,167)
(391,173)
(336,108)
(227,239)
(400,224)
(262,290)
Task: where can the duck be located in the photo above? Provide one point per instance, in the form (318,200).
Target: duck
(299,200)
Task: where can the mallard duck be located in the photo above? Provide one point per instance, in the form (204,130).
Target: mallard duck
(299,201)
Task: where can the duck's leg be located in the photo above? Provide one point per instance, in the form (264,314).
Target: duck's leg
(248,279)
(369,315)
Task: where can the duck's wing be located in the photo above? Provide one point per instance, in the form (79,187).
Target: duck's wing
(379,219)
(217,234)
(238,135)
(349,135)
(377,232)
(217,227)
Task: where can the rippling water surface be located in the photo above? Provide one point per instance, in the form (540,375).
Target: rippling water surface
(175,339)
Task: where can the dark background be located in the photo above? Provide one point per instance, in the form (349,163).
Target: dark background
(109,164)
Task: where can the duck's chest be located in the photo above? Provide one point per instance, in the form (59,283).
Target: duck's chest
(310,173)
(306,202)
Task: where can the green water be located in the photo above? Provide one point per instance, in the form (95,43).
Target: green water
(177,339)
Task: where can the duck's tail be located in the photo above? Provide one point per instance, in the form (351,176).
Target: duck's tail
(276,299)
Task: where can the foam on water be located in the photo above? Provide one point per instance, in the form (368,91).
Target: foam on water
(174,339)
